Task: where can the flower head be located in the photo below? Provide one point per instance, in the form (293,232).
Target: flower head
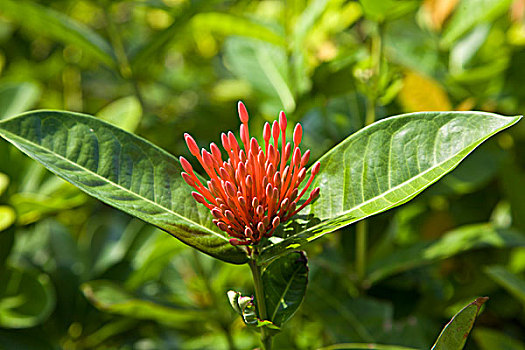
(255,188)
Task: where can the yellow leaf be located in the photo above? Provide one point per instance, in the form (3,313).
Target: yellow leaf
(420,94)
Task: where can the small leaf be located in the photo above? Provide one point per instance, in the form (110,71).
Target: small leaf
(455,333)
(490,339)
(125,113)
(17,97)
(122,170)
(385,165)
(513,284)
(245,307)
(26,298)
(109,297)
(284,282)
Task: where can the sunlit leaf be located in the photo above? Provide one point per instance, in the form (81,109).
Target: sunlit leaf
(57,25)
(387,164)
(125,113)
(420,93)
(284,282)
(470,13)
(17,97)
(4,182)
(228,24)
(7,217)
(455,333)
(26,298)
(122,170)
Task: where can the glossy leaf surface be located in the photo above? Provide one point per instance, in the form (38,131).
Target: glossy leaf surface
(284,282)
(122,170)
(387,164)
(455,333)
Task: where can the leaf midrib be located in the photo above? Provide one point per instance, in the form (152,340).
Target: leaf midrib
(288,285)
(15,137)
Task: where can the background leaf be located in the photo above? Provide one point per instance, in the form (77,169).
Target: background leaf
(284,282)
(125,113)
(17,97)
(509,281)
(122,170)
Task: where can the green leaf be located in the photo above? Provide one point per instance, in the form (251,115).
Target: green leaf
(58,26)
(227,24)
(122,170)
(284,282)
(264,66)
(385,165)
(109,297)
(455,333)
(17,97)
(513,284)
(7,217)
(455,242)
(26,298)
(125,113)
(489,339)
(470,13)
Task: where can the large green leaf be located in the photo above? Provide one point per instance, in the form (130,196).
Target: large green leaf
(385,165)
(58,26)
(284,282)
(455,333)
(122,170)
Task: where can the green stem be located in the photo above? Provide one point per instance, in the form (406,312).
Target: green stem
(266,338)
(376,52)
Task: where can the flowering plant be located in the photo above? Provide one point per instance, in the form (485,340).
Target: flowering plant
(251,210)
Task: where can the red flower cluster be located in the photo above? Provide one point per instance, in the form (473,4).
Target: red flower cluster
(254,190)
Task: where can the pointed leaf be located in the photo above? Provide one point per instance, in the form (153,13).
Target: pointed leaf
(122,170)
(455,333)
(284,282)
(385,165)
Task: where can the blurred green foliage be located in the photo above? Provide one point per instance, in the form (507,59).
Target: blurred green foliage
(76,274)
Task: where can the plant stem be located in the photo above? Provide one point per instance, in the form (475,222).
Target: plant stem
(266,338)
(376,52)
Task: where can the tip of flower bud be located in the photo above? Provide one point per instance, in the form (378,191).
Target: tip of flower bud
(315,168)
(305,158)
(192,145)
(225,142)
(267,132)
(230,189)
(243,113)
(260,227)
(282,120)
(275,222)
(216,213)
(315,192)
(275,130)
(207,158)
(296,159)
(297,134)
(186,165)
(188,179)
(198,197)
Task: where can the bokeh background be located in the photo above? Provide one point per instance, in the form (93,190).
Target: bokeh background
(77,274)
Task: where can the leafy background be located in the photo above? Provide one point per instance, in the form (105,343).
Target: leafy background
(77,274)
